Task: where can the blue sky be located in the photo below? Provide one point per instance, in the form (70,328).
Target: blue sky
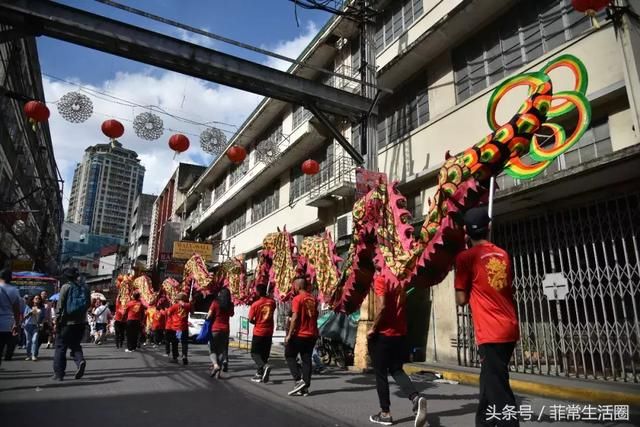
(269,24)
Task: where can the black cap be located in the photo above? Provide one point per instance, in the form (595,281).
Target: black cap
(477,219)
(70,273)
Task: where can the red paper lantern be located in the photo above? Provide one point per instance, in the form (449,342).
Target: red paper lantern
(179,143)
(310,167)
(112,128)
(590,7)
(37,112)
(236,154)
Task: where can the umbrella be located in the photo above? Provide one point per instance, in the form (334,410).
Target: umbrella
(54,297)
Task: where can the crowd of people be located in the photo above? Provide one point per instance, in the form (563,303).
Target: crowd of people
(483,280)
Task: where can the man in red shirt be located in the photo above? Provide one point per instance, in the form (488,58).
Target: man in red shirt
(178,321)
(133,314)
(484,280)
(389,349)
(261,315)
(302,336)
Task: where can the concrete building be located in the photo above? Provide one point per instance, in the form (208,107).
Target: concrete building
(140,229)
(81,249)
(166,218)
(442,60)
(30,184)
(105,186)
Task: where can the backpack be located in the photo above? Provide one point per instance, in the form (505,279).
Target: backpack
(77,300)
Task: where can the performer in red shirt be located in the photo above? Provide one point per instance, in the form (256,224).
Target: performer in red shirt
(158,325)
(178,321)
(134,315)
(220,311)
(119,324)
(389,349)
(484,280)
(302,336)
(261,315)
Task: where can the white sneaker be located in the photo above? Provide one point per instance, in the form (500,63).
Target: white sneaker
(34,358)
(28,358)
(128,351)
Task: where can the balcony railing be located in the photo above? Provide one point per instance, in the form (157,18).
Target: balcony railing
(335,179)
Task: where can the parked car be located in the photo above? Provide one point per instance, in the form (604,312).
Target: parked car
(196,320)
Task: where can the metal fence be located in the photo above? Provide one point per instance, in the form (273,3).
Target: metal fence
(592,331)
(342,171)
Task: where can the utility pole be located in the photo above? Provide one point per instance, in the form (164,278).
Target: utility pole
(368,123)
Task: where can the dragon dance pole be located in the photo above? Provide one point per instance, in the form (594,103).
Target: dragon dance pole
(492,189)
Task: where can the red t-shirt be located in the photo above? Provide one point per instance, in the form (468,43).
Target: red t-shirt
(159,320)
(306,306)
(221,317)
(178,316)
(119,316)
(393,322)
(484,271)
(261,315)
(134,311)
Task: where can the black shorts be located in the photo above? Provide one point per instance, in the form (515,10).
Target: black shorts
(101,327)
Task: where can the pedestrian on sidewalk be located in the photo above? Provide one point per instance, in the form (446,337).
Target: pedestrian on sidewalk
(178,322)
(220,311)
(10,314)
(261,316)
(71,321)
(102,314)
(33,318)
(302,336)
(46,335)
(119,325)
(483,279)
(134,315)
(389,350)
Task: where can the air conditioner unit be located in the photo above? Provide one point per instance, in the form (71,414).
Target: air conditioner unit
(344,225)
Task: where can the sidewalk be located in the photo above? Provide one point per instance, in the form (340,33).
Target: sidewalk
(572,389)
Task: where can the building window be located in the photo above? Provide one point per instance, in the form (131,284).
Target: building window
(523,34)
(219,188)
(300,115)
(407,110)
(66,234)
(396,19)
(266,203)
(301,184)
(237,223)
(238,171)
(415,206)
(596,142)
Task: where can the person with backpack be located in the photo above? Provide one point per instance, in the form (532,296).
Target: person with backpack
(71,321)
(10,314)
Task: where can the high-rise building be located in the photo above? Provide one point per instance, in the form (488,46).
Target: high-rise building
(140,229)
(105,186)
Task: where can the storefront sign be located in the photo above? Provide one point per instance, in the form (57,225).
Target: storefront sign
(185,250)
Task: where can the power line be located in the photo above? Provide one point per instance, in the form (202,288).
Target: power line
(227,40)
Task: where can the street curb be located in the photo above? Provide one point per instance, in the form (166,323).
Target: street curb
(539,389)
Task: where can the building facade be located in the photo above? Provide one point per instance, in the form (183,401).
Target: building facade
(442,60)
(167,219)
(31,211)
(105,186)
(140,229)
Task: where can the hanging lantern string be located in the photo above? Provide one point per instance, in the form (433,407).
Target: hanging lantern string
(104,96)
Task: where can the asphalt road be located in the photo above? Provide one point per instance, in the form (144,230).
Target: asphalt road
(141,389)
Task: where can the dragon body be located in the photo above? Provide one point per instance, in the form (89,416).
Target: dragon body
(383,238)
